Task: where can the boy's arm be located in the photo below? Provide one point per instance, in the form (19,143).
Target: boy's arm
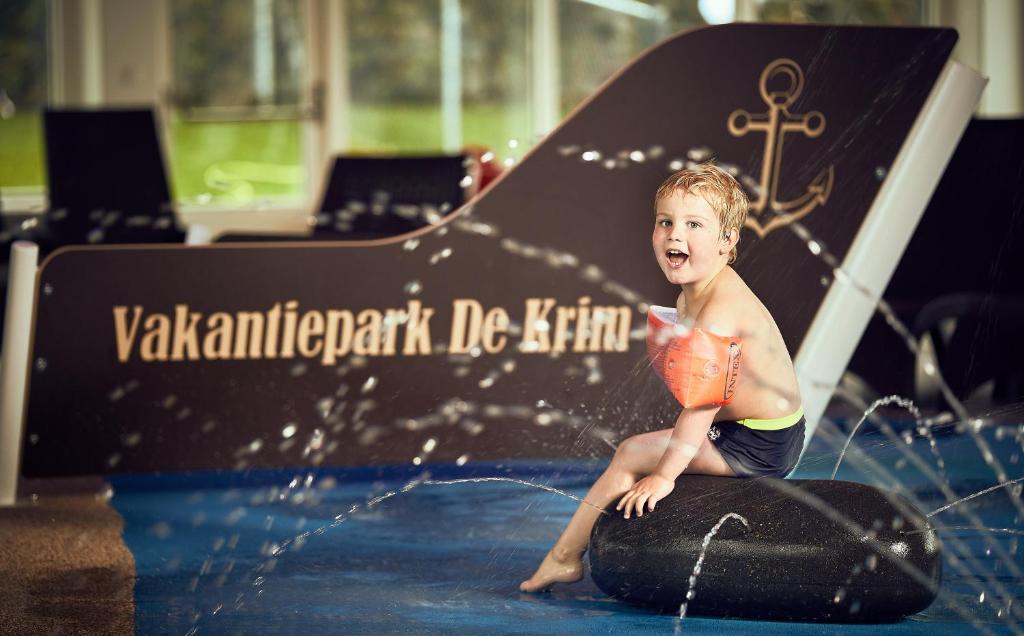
(688,434)
(690,431)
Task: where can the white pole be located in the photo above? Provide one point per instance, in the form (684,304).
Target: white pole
(263,52)
(14,363)
(92,52)
(882,237)
(451,75)
(545,94)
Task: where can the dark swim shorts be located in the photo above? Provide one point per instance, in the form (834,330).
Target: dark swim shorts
(758,453)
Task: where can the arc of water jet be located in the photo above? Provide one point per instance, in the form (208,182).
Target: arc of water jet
(897,325)
(911,342)
(1001,553)
(415,483)
(818,504)
(961,549)
(953,541)
(957,548)
(690,592)
(977,494)
(903,402)
(891,399)
(474,480)
(1002,530)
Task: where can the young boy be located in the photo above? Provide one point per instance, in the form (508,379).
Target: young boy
(759,432)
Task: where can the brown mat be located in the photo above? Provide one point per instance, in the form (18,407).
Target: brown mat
(64,568)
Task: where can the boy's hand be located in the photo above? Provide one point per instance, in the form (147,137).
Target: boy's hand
(648,491)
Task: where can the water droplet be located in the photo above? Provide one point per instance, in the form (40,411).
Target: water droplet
(981,598)
(880,173)
(413,287)
(316,440)
(439,256)
(41,364)
(369,385)
(430,445)
(466,181)
(258,581)
(48,289)
(513,143)
(411,244)
(637,156)
(591,155)
(461,461)
(288,431)
(699,154)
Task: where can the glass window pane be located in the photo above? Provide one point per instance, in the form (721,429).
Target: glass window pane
(239,71)
(23,92)
(595,43)
(394,50)
(495,74)
(868,12)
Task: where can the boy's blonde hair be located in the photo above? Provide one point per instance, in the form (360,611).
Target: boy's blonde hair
(716,186)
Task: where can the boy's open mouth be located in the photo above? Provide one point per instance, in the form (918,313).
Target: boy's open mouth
(676,257)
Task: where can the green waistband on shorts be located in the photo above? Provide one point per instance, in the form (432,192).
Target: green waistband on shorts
(775,424)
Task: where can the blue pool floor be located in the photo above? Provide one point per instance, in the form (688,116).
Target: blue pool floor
(448,559)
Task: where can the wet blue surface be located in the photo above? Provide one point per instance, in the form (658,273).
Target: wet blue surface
(448,559)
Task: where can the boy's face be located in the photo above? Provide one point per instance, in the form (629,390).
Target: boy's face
(687,240)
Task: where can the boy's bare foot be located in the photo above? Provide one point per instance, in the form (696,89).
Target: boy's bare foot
(553,571)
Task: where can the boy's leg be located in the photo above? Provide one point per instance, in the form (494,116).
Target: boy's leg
(635,457)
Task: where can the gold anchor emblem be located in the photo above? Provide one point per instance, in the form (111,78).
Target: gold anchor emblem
(775,124)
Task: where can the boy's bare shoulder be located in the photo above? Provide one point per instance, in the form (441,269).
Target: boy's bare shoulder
(733,309)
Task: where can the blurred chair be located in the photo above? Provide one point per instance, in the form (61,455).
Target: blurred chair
(107,182)
(377,197)
(977,343)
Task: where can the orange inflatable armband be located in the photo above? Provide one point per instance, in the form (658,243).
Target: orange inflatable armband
(699,368)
